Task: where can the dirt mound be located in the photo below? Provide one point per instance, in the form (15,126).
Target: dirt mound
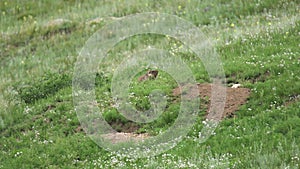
(235,97)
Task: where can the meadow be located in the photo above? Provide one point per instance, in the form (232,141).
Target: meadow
(258,43)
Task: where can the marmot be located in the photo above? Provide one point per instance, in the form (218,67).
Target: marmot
(151,74)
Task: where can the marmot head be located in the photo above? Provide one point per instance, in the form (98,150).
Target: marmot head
(152,73)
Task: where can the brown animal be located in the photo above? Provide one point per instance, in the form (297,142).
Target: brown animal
(151,74)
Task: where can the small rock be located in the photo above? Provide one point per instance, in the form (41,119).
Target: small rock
(57,22)
(236,86)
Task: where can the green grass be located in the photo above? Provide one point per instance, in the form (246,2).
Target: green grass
(257,41)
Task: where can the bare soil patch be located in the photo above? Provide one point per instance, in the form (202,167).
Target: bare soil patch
(128,127)
(235,97)
(124,137)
